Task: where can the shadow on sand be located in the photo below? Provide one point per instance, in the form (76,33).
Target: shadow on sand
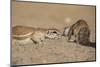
(90,44)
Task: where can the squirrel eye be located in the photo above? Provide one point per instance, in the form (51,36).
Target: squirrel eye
(54,32)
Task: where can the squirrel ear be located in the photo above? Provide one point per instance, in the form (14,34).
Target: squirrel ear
(54,32)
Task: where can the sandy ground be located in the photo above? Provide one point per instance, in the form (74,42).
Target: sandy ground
(48,16)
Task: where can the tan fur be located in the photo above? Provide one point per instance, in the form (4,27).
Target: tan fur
(37,35)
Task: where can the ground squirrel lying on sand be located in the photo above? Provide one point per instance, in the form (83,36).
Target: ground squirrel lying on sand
(37,35)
